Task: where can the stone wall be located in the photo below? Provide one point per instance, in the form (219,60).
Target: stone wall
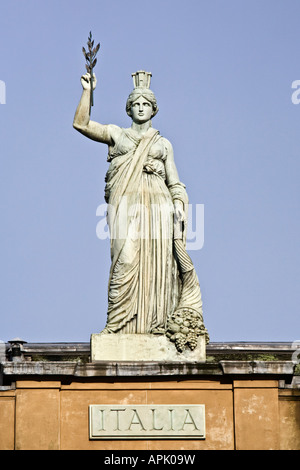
(249,404)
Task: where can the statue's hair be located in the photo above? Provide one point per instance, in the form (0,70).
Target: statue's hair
(146,93)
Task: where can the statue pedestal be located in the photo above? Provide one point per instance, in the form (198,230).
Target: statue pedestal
(138,347)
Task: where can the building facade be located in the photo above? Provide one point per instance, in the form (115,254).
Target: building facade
(250,393)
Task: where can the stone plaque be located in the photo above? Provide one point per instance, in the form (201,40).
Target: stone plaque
(147,421)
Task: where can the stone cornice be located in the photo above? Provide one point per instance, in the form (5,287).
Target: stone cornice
(223,359)
(142,369)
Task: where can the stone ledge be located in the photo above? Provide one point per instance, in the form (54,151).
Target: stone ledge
(146,369)
(215,351)
(108,369)
(257,367)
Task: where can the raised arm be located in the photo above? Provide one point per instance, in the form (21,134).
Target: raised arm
(105,134)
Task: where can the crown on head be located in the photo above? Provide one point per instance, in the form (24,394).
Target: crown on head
(141,79)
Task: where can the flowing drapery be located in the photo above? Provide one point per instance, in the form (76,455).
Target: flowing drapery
(144,283)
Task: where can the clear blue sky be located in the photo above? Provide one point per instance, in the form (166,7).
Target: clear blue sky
(222,74)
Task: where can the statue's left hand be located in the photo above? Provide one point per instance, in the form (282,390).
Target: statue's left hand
(179,218)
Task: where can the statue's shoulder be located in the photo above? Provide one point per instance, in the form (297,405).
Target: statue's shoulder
(161,138)
(167,144)
(114,129)
(165,147)
(114,132)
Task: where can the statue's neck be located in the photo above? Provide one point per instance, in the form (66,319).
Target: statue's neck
(141,128)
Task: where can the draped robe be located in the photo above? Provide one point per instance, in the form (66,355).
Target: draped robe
(144,283)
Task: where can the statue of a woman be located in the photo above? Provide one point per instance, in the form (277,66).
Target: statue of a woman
(153,287)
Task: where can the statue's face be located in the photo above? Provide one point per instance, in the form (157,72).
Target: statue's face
(141,110)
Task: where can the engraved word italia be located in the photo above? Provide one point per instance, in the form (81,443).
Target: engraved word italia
(147,421)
